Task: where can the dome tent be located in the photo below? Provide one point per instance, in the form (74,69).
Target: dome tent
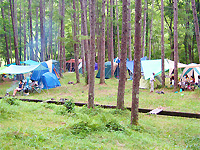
(49,80)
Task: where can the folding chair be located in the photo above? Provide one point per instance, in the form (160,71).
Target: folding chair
(37,88)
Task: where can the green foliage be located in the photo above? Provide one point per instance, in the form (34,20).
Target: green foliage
(11,100)
(70,106)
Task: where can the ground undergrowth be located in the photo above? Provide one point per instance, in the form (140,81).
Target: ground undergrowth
(25,125)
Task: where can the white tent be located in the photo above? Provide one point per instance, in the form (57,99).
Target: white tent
(171,66)
(190,70)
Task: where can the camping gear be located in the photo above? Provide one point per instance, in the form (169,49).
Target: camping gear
(49,80)
(38,72)
(81,64)
(70,64)
(30,62)
(53,65)
(17,69)
(191,70)
(108,70)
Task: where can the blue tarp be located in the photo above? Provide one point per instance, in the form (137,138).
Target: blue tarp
(50,80)
(17,69)
(130,66)
(30,62)
(38,72)
(153,66)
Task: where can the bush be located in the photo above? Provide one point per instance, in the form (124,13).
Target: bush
(69,106)
(11,100)
(113,125)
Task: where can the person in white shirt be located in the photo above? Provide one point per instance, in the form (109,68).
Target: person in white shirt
(152,82)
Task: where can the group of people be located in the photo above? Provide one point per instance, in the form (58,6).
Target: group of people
(25,85)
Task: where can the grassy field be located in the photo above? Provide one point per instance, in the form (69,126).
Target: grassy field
(47,126)
(107,94)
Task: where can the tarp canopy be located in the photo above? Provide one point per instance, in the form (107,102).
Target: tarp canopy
(30,62)
(3,67)
(16,69)
(130,66)
(153,66)
(171,66)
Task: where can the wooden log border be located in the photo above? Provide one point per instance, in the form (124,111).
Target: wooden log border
(141,110)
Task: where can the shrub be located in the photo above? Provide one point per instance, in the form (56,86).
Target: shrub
(113,125)
(10,100)
(69,106)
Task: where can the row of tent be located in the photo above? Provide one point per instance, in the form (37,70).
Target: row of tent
(46,72)
(152,66)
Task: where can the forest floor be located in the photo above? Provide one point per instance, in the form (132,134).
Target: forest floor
(48,126)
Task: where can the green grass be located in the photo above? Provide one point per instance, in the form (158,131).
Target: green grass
(47,126)
(43,126)
(107,94)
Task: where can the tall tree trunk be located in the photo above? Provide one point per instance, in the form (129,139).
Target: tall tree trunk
(150,36)
(86,47)
(108,36)
(82,41)
(10,41)
(15,31)
(92,56)
(24,34)
(122,75)
(20,34)
(63,37)
(61,40)
(36,35)
(144,28)
(50,50)
(137,64)
(98,35)
(129,31)
(118,40)
(31,31)
(175,45)
(111,39)
(162,44)
(5,35)
(102,73)
(75,44)
(196,26)
(42,31)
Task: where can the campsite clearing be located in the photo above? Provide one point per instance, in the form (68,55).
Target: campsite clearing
(49,126)
(107,94)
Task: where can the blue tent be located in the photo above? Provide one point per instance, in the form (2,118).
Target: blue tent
(38,72)
(49,80)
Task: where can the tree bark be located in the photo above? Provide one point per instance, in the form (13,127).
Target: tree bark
(92,58)
(15,31)
(144,28)
(63,37)
(75,44)
(10,53)
(123,72)
(20,34)
(118,40)
(175,45)
(137,64)
(108,36)
(31,31)
(102,75)
(36,35)
(150,36)
(82,41)
(196,26)
(86,47)
(111,39)
(50,50)
(24,34)
(162,44)
(129,31)
(42,32)
(5,35)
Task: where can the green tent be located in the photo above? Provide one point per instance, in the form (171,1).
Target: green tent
(108,70)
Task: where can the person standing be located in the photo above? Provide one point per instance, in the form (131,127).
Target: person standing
(152,79)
